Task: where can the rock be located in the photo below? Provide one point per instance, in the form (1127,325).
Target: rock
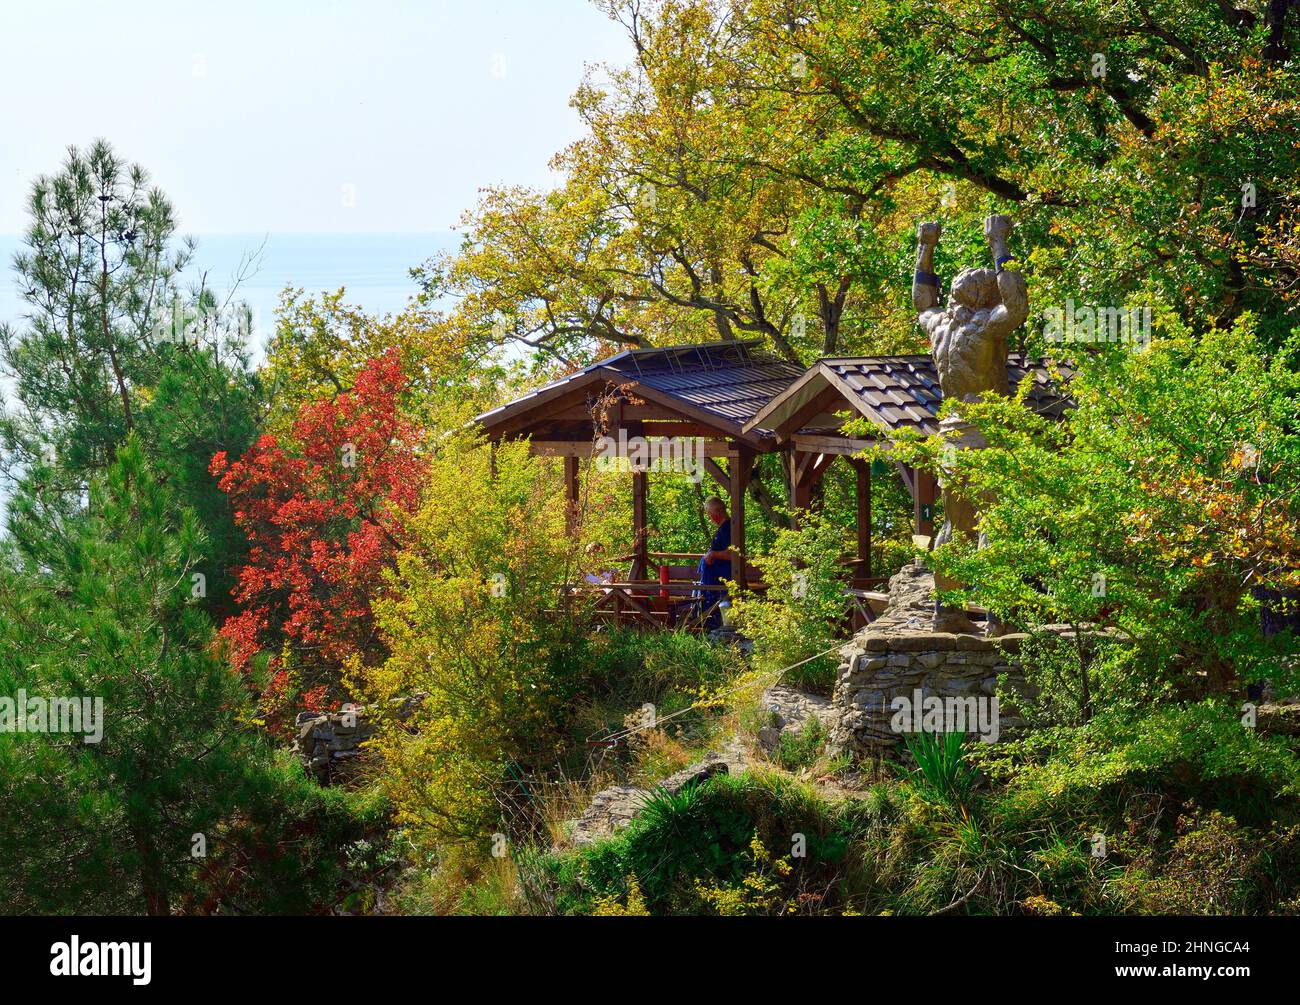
(1278,720)
(791,710)
(614,808)
(327,742)
(324,742)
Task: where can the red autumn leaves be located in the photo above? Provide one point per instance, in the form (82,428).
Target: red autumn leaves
(324,518)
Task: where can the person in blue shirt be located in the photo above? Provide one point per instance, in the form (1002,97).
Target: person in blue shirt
(715,564)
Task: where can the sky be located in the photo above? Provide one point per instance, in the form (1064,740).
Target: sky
(359,116)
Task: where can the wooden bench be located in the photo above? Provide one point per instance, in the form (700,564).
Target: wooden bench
(667,595)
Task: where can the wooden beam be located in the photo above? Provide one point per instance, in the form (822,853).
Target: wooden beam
(571,495)
(741,466)
(560,448)
(820,443)
(909,481)
(819,465)
(517,416)
(863,497)
(800,487)
(717,473)
(640,494)
(675,428)
(927,491)
(640,520)
(584,448)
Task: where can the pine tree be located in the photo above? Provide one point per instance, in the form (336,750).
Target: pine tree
(97,277)
(110,346)
(111,826)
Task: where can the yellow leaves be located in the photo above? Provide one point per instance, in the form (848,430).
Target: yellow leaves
(469,619)
(759,891)
(320,344)
(609,907)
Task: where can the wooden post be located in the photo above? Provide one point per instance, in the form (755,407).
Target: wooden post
(640,497)
(640,521)
(571,495)
(800,487)
(863,469)
(741,466)
(927,490)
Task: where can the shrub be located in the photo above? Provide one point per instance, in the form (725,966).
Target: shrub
(707,833)
(479,640)
(941,768)
(801,614)
(798,750)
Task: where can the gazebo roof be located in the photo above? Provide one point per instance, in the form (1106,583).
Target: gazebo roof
(894,392)
(720,384)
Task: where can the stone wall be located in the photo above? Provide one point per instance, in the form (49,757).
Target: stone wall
(878,669)
(328,744)
(903,654)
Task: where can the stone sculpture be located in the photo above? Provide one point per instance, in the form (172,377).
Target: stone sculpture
(968,338)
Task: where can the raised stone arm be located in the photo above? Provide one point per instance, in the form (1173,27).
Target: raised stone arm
(925,284)
(1011,313)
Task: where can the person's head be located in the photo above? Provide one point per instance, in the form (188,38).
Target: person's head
(975,288)
(715,509)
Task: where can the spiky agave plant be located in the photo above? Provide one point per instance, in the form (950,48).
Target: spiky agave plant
(941,768)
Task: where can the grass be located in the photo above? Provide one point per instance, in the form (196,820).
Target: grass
(941,769)
(797,750)
(926,843)
(1199,816)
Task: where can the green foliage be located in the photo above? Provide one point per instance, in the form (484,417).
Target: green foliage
(758,893)
(1203,749)
(109,826)
(647,666)
(480,642)
(941,769)
(799,615)
(206,400)
(109,347)
(1211,869)
(757,172)
(1198,815)
(796,751)
(1149,512)
(96,278)
(760,168)
(706,832)
(1068,677)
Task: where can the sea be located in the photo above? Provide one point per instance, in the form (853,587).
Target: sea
(374,270)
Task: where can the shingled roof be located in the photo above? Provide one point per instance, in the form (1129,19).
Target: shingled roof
(722,383)
(894,392)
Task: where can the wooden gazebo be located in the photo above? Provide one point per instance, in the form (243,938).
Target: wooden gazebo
(707,392)
(741,402)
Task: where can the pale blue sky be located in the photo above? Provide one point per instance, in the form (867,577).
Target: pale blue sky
(290,116)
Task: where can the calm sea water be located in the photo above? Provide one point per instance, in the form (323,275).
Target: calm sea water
(372,267)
